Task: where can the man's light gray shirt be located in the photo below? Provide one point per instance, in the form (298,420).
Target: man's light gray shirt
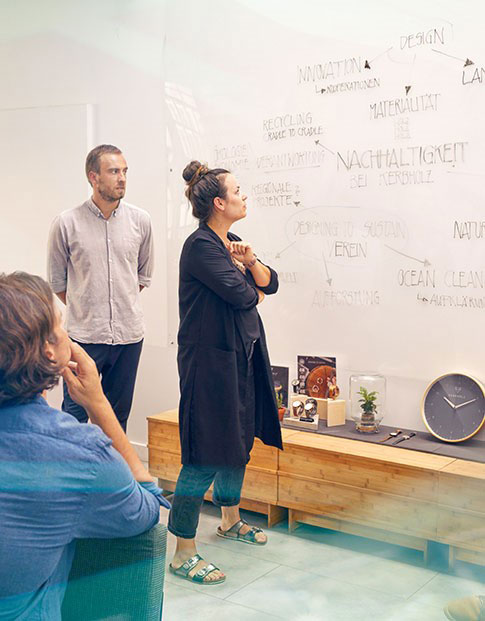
(101,265)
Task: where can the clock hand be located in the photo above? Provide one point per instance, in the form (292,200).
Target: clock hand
(449,403)
(466,403)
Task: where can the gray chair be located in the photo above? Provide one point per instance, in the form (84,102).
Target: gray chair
(117,579)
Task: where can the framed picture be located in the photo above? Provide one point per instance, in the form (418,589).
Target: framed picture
(280,381)
(317,375)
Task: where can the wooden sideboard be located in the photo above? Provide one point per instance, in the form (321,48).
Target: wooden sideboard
(381,492)
(376,491)
(461,518)
(260,489)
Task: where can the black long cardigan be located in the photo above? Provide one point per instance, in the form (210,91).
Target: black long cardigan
(212,291)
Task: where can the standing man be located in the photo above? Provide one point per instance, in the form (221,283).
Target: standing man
(100,257)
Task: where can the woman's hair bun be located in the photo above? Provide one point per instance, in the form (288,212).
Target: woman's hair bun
(201,195)
(190,170)
(193,172)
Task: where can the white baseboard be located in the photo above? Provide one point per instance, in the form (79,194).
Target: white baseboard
(141,450)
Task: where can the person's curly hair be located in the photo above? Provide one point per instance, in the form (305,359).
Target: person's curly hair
(27,321)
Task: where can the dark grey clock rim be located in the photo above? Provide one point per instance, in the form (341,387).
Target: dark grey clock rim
(432,384)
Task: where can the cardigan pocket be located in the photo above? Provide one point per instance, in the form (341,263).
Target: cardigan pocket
(215,406)
(215,378)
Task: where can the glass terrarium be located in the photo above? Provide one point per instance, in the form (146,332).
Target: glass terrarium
(368,401)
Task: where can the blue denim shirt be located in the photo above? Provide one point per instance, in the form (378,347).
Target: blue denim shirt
(59,481)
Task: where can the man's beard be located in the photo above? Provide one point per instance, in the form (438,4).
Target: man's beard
(110,198)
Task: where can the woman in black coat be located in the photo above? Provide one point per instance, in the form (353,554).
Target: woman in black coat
(226,388)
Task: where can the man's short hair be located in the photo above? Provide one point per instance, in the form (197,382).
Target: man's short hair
(92,160)
(27,322)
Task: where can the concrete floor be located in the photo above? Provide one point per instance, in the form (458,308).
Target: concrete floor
(315,575)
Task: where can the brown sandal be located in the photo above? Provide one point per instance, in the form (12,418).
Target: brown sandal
(234,533)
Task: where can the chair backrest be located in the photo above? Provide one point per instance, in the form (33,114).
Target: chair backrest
(118,579)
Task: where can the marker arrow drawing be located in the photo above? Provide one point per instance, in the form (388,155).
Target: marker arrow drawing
(278,255)
(319,144)
(367,63)
(408,88)
(425,263)
(466,63)
(328,279)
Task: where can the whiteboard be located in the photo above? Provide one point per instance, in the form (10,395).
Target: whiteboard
(358,134)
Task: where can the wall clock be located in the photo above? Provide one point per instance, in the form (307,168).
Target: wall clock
(453,407)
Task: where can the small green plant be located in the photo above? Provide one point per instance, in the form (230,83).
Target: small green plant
(368,401)
(279,395)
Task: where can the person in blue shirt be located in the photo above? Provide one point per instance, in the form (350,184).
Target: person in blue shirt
(59,480)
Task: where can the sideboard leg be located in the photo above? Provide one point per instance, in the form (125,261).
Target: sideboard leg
(276,515)
(451,558)
(292,520)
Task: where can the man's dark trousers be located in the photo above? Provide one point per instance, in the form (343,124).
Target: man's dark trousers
(117,365)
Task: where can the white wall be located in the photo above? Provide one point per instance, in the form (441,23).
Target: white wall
(227,67)
(58,56)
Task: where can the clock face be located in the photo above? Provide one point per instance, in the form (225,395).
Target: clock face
(454,407)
